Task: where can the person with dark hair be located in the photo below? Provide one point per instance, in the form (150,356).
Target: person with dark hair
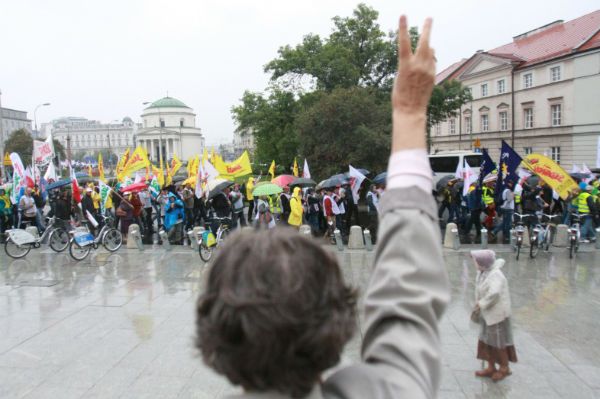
(276,312)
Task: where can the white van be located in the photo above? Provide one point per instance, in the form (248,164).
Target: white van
(445,163)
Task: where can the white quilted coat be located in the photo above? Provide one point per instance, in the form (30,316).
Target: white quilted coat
(492,295)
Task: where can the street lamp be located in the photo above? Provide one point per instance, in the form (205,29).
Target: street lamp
(160,148)
(35,115)
(108,138)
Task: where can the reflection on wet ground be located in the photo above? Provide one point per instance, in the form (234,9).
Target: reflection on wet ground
(122,325)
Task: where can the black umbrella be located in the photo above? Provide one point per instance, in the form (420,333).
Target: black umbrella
(58,184)
(380,178)
(443,182)
(336,180)
(532,180)
(218,186)
(303,182)
(580,176)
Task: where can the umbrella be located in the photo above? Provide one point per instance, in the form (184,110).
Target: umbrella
(58,184)
(283,180)
(266,188)
(380,178)
(532,180)
(334,181)
(302,182)
(134,188)
(443,182)
(580,176)
(219,184)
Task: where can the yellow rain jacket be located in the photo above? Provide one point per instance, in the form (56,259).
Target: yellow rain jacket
(249,189)
(295,218)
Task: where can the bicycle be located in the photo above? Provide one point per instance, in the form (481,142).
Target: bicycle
(83,240)
(19,242)
(206,249)
(574,234)
(519,231)
(541,236)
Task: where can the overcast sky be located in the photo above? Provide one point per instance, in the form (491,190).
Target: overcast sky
(102,59)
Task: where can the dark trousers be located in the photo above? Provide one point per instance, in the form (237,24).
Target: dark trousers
(238,217)
(250,211)
(189,218)
(373,225)
(148,227)
(475,220)
(350,212)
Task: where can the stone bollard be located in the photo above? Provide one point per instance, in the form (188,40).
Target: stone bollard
(451,235)
(198,230)
(368,240)
(338,240)
(305,230)
(193,240)
(356,241)
(134,237)
(165,240)
(33,231)
(456,240)
(484,238)
(562,236)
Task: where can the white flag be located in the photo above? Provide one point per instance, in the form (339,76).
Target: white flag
(210,172)
(19,178)
(459,173)
(43,151)
(200,177)
(50,174)
(575,169)
(469,177)
(356,179)
(306,171)
(587,171)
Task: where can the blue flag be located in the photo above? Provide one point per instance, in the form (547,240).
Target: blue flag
(507,172)
(487,166)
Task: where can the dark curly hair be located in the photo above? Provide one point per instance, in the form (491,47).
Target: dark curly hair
(276,312)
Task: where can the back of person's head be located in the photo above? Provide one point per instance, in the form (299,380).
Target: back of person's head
(276,312)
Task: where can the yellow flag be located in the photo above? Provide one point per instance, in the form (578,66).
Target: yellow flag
(101,168)
(175,165)
(212,155)
(230,170)
(204,156)
(295,167)
(138,160)
(551,173)
(7,161)
(272,170)
(161,175)
(121,163)
(89,170)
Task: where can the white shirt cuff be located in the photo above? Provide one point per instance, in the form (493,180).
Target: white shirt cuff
(410,168)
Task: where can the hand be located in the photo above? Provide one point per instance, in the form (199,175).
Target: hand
(477,308)
(412,89)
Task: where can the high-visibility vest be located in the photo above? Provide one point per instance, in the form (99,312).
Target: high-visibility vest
(517,198)
(582,204)
(275,207)
(575,203)
(488,195)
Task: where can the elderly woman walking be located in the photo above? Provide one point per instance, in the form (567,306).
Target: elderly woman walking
(492,311)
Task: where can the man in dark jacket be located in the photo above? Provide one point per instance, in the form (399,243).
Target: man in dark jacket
(87,205)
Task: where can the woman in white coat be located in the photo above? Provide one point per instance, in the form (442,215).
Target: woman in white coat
(492,308)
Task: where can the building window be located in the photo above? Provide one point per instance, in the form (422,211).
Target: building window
(452,126)
(555,73)
(503,120)
(528,116)
(468,125)
(555,151)
(528,150)
(528,80)
(484,90)
(501,86)
(181,123)
(162,123)
(556,114)
(485,123)
(438,129)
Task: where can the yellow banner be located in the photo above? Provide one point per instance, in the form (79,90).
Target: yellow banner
(101,168)
(295,168)
(138,160)
(238,168)
(7,161)
(175,165)
(121,163)
(551,173)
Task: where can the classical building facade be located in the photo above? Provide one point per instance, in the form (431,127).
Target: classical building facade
(88,136)
(168,128)
(539,92)
(13,119)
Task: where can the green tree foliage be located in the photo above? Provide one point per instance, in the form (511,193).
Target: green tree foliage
(21,142)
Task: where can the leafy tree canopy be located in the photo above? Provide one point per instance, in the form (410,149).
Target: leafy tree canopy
(21,142)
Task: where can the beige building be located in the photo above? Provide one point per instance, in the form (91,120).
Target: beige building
(540,92)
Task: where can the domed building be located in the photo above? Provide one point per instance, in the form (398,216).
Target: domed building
(168,128)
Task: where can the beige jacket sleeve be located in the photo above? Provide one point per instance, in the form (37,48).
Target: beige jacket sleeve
(405,299)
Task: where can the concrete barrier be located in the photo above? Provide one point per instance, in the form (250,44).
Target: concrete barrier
(134,237)
(193,240)
(305,230)
(33,231)
(561,239)
(368,240)
(451,239)
(356,240)
(338,240)
(165,240)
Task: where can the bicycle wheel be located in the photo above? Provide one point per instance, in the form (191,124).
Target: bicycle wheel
(518,249)
(534,248)
(59,240)
(16,251)
(112,240)
(572,249)
(548,239)
(205,252)
(77,252)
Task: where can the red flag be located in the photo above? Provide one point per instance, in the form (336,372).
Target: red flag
(75,187)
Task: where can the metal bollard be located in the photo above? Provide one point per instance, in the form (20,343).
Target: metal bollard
(368,240)
(338,240)
(193,239)
(137,237)
(598,238)
(165,240)
(484,238)
(455,240)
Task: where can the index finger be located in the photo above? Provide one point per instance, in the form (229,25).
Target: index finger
(426,35)
(404,49)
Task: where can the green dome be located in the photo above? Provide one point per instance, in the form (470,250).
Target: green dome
(167,102)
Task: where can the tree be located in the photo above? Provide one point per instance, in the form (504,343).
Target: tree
(345,126)
(21,142)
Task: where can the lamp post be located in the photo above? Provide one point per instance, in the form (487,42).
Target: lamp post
(35,116)
(160,149)
(108,139)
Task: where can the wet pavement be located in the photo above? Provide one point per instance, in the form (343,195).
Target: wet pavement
(122,325)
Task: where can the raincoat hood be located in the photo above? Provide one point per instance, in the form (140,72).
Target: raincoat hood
(296,193)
